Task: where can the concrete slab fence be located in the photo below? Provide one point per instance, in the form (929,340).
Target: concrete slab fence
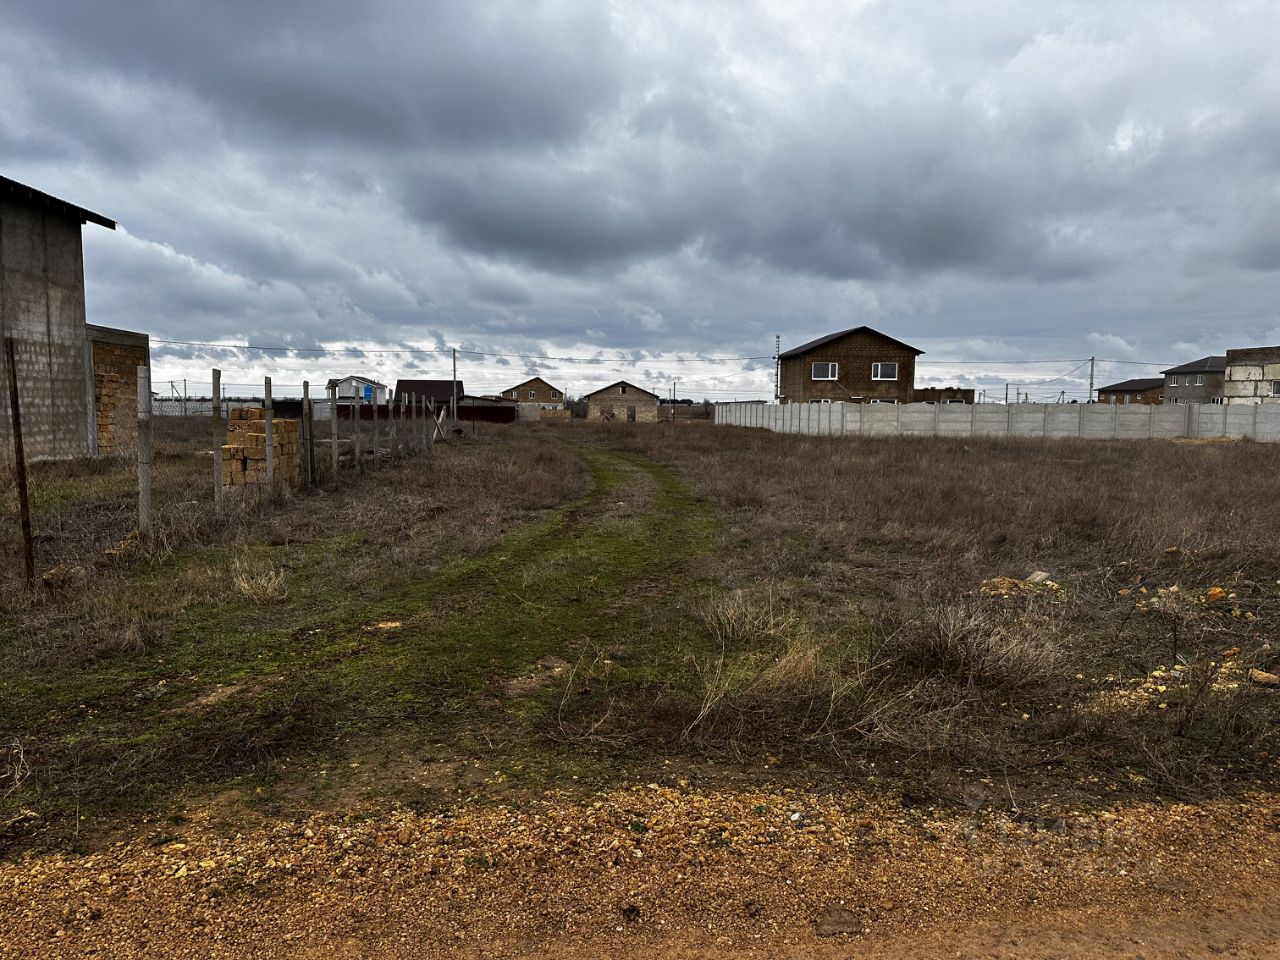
(1097,421)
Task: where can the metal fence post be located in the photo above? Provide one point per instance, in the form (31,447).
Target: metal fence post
(20,464)
(144,451)
(219,438)
(268,416)
(308,461)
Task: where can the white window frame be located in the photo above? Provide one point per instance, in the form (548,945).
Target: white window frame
(891,402)
(1173,380)
(1219,400)
(622,388)
(533,394)
(831,368)
(876,368)
(954,401)
(1199,379)
(1275,388)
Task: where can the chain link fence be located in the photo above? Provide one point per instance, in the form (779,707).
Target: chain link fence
(164,469)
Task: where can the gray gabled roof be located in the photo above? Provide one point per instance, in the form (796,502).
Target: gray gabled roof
(619,384)
(1203,365)
(37,198)
(806,347)
(1133,386)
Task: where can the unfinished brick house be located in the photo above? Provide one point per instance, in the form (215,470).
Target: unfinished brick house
(622,401)
(77,382)
(536,393)
(861,365)
(1252,375)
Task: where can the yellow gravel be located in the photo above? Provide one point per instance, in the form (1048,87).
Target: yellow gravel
(749,870)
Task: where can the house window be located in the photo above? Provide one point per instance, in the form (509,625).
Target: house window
(555,394)
(1173,381)
(622,389)
(533,394)
(882,401)
(1275,388)
(826,371)
(1199,379)
(1219,400)
(884,371)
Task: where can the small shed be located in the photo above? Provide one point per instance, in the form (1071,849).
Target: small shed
(356,389)
(1149,390)
(622,401)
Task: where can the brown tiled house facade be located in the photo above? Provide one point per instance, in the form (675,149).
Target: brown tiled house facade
(537,392)
(859,365)
(622,402)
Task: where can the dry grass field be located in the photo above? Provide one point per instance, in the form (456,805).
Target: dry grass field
(725,657)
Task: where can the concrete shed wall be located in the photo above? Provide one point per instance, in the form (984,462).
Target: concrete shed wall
(42,308)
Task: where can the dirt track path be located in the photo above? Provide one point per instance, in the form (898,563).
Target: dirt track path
(676,865)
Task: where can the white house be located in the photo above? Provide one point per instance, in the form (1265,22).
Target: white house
(360,389)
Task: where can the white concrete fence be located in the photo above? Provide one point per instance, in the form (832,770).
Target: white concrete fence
(1097,421)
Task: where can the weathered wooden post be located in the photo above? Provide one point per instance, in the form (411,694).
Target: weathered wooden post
(144,451)
(20,464)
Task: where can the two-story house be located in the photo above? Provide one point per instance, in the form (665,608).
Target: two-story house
(536,393)
(1197,382)
(861,365)
(1253,375)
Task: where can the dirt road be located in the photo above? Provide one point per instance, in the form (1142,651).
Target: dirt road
(668,869)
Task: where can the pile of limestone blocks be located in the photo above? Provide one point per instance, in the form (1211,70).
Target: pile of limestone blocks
(244,455)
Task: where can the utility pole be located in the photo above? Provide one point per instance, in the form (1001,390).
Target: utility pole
(777,367)
(1006,394)
(453,399)
(1092,361)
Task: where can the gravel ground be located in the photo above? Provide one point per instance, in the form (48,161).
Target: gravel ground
(647,870)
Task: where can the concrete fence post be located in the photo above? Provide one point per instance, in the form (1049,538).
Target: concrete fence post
(333,433)
(1008,419)
(1253,435)
(269,417)
(973,419)
(308,438)
(897,422)
(219,438)
(144,451)
(357,435)
(1115,420)
(937,418)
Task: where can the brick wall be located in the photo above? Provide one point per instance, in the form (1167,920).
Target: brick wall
(619,409)
(115,396)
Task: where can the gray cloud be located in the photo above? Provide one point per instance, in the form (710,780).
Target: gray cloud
(1005,181)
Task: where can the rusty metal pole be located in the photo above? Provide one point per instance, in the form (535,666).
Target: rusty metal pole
(20,464)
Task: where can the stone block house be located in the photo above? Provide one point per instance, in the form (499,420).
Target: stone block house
(77,383)
(622,401)
(860,365)
(536,393)
(1148,390)
(1252,375)
(1199,381)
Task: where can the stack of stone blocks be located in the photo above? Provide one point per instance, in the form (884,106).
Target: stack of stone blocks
(244,455)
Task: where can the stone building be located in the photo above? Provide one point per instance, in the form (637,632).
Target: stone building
(1252,375)
(77,384)
(622,401)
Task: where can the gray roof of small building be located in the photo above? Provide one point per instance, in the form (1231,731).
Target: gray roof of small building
(1203,365)
(618,384)
(37,198)
(1133,386)
(806,347)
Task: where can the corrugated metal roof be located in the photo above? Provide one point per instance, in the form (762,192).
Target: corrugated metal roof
(806,347)
(37,198)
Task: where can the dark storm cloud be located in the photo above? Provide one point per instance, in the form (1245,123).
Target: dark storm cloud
(1002,177)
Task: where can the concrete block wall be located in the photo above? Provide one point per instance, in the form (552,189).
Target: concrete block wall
(1259,422)
(244,455)
(42,308)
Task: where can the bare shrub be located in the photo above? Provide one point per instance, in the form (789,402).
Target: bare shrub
(258,579)
(980,642)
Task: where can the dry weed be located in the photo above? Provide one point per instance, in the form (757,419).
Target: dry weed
(259,580)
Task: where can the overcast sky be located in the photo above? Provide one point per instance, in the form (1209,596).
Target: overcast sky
(988,181)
